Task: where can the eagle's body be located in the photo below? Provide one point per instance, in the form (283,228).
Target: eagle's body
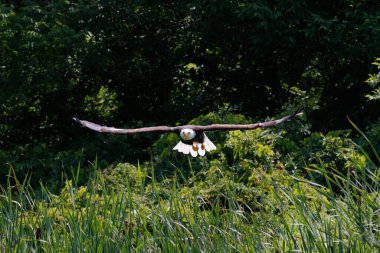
(194,143)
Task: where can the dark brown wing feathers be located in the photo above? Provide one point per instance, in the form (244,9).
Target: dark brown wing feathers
(164,129)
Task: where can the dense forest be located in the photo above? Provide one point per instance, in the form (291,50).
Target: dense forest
(137,63)
(140,63)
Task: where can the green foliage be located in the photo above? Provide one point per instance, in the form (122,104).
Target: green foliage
(328,148)
(215,214)
(371,137)
(255,146)
(34,160)
(373,82)
(124,174)
(103,104)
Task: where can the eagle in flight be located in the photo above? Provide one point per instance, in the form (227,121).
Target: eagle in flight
(193,138)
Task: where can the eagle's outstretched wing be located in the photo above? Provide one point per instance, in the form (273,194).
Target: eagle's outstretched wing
(164,129)
(113,130)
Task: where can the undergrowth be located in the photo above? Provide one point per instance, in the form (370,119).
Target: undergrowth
(143,215)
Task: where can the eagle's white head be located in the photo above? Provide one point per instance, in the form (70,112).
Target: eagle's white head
(187,134)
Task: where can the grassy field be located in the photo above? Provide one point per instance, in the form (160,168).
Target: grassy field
(166,216)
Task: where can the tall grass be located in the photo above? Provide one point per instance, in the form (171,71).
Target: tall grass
(156,217)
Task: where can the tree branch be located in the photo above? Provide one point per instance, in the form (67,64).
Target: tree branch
(164,129)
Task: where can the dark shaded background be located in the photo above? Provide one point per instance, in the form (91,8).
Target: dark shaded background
(141,63)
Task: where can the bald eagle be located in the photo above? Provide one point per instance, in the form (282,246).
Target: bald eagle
(193,138)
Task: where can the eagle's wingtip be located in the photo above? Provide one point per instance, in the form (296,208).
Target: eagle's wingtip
(80,122)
